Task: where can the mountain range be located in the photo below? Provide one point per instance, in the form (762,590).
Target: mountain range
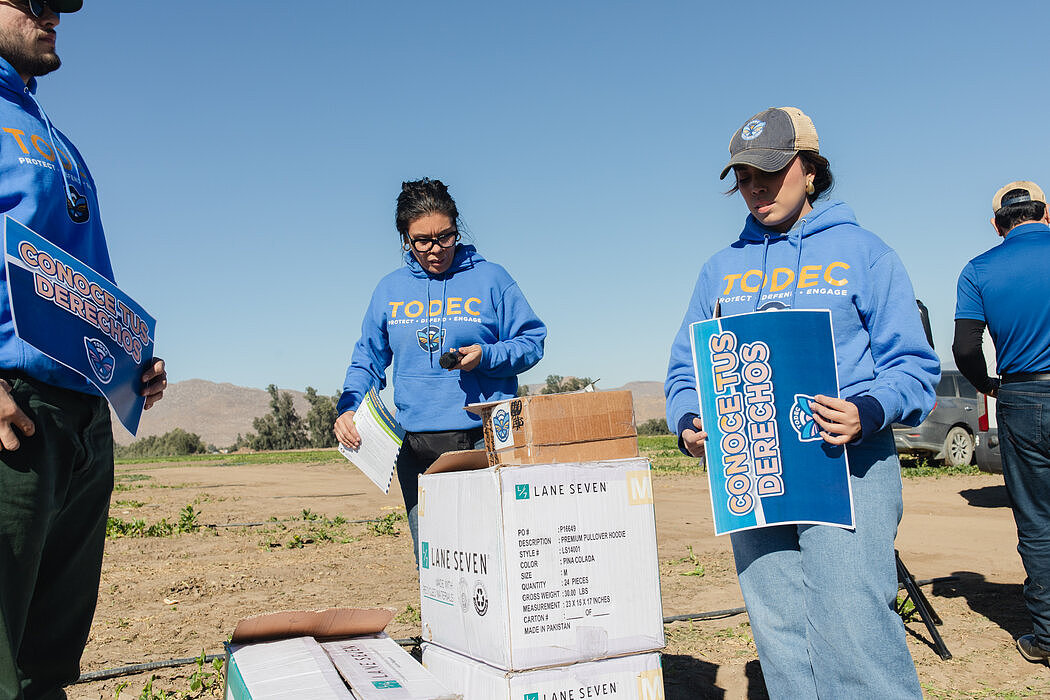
(218,412)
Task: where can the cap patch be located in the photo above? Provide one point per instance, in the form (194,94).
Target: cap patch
(752,130)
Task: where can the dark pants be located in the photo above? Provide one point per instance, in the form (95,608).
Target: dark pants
(54,502)
(418,452)
(1023,414)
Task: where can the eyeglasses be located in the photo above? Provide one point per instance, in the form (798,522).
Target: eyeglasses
(442,240)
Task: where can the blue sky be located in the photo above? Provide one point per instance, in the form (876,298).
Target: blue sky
(248,155)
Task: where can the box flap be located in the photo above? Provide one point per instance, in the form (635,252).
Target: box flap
(320,624)
(459,461)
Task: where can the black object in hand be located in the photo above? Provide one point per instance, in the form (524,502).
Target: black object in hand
(450,359)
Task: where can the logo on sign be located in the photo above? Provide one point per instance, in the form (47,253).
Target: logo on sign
(802,419)
(531,696)
(424,558)
(386,684)
(100,359)
(521,492)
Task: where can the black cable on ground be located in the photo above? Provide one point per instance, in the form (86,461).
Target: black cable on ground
(275,522)
(407,642)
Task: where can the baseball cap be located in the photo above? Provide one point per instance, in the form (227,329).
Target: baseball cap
(1032,194)
(65,5)
(771,138)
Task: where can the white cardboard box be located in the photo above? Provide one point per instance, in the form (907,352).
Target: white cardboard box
(377,668)
(539,565)
(635,677)
(362,668)
(287,669)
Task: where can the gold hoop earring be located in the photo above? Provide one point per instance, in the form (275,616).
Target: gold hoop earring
(809,188)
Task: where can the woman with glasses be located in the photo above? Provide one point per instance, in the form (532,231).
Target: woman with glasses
(455,327)
(820,598)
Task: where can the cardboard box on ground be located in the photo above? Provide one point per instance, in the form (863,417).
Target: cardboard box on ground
(635,677)
(278,657)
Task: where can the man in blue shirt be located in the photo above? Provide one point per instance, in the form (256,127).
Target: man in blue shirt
(1008,289)
(56,441)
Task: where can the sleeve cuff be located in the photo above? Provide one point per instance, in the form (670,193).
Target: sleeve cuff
(684,422)
(871,415)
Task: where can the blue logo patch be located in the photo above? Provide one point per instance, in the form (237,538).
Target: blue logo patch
(386,684)
(430,338)
(521,492)
(501,424)
(802,419)
(752,130)
(100,358)
(424,559)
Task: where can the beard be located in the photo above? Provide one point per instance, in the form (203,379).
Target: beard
(26,63)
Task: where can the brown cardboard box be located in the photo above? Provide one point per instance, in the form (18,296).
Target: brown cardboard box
(553,428)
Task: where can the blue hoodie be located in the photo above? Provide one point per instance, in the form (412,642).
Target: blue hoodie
(826,261)
(414,317)
(32,184)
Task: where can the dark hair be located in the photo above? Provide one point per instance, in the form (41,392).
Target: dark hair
(812,162)
(420,198)
(1013,214)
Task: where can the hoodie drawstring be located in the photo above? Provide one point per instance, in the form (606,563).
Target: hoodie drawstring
(765,253)
(70,201)
(798,260)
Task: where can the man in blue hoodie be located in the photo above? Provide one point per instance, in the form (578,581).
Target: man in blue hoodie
(56,441)
(1007,289)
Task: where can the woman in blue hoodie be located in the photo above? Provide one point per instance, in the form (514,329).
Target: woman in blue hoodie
(820,598)
(445,297)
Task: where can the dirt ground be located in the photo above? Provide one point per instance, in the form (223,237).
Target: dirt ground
(172,597)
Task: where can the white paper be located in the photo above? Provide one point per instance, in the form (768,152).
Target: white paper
(380,441)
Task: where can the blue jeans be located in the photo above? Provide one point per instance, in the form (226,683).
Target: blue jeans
(821,598)
(1023,414)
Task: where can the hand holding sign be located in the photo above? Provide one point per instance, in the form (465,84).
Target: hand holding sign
(694,439)
(839,419)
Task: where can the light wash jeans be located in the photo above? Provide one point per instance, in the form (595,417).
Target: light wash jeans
(1023,414)
(820,598)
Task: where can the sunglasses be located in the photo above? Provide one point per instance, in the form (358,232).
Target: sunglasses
(37,8)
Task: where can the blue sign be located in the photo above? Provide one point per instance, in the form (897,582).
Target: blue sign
(757,375)
(77,317)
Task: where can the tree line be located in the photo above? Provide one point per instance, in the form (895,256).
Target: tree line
(284,429)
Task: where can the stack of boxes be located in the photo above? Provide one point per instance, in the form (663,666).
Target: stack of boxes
(538,567)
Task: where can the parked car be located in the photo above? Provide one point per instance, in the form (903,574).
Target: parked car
(948,432)
(988,459)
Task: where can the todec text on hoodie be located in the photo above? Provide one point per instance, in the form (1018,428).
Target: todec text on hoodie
(45,185)
(826,261)
(414,317)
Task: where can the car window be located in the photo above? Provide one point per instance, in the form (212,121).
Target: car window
(966,389)
(946,386)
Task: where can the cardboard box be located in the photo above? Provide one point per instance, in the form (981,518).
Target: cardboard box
(636,677)
(552,428)
(368,665)
(539,565)
(286,669)
(377,668)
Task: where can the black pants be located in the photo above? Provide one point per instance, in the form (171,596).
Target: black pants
(54,501)
(418,452)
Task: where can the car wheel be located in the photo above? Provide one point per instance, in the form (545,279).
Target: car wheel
(958,448)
